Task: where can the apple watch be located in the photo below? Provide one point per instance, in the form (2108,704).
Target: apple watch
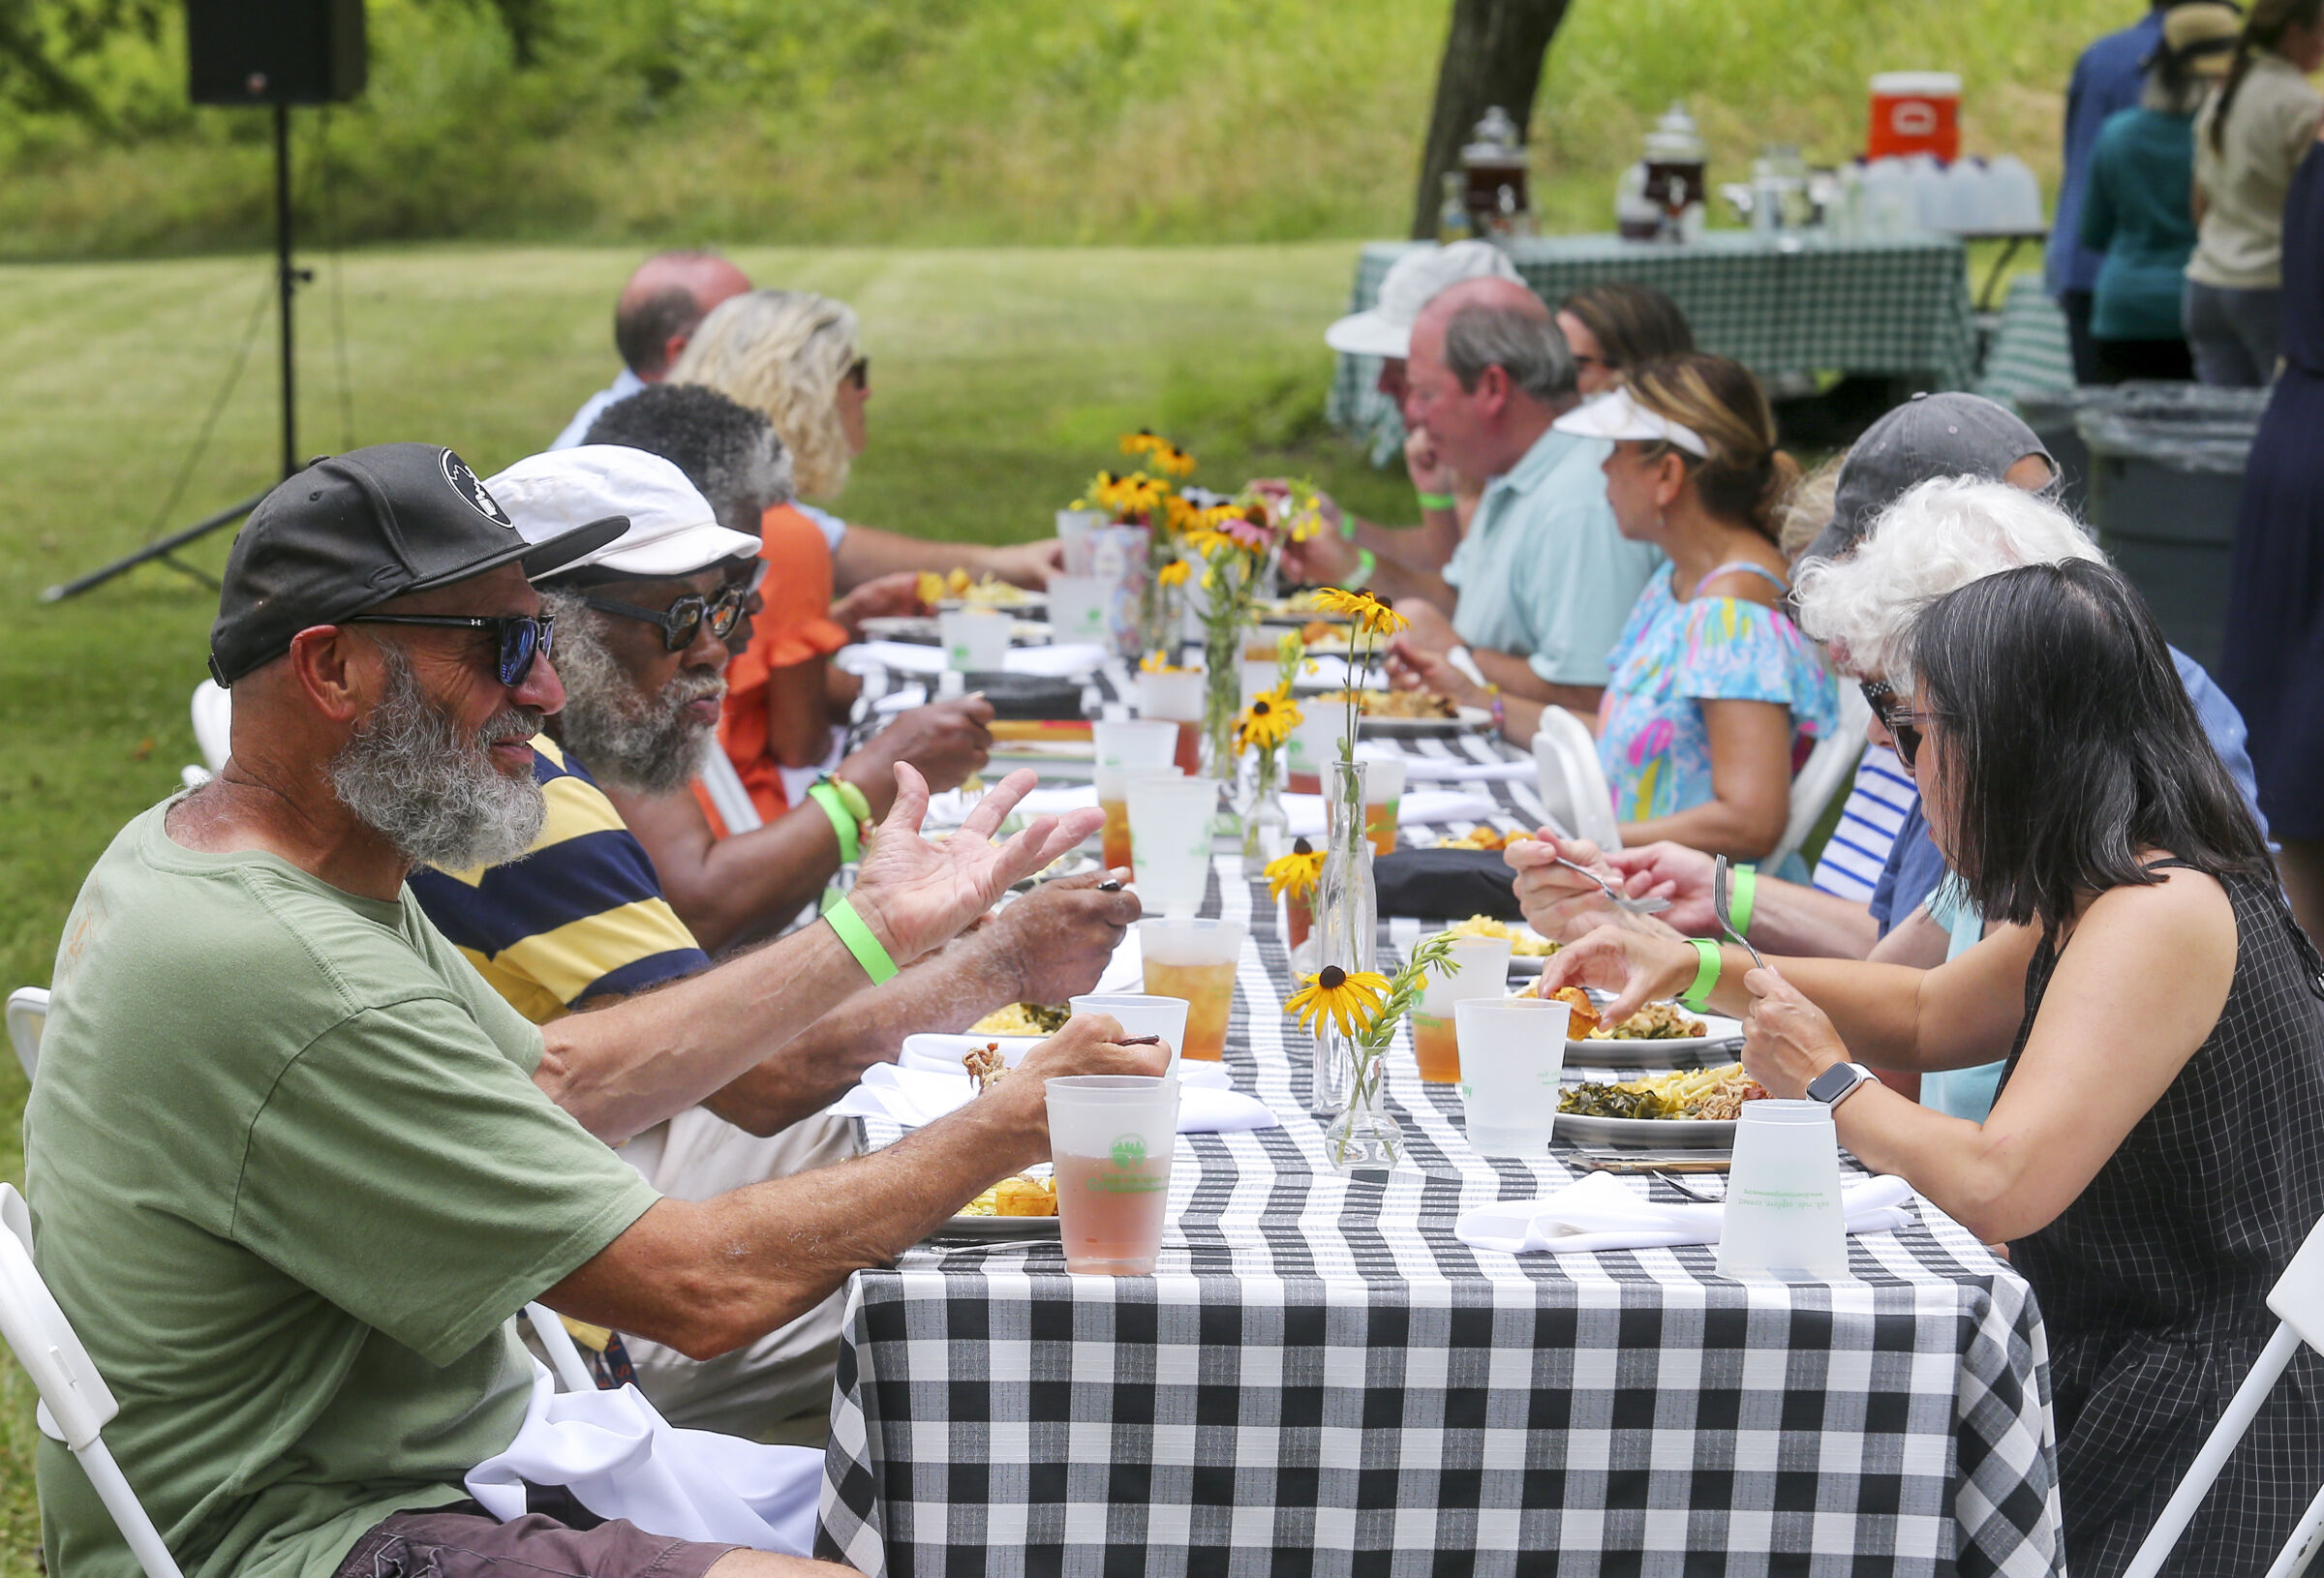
(1838,1082)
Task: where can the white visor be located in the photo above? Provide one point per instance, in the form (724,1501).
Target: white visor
(1615,415)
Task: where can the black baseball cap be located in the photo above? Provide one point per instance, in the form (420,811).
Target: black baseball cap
(351,532)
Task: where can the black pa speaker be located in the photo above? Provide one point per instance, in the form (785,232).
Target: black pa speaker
(275,51)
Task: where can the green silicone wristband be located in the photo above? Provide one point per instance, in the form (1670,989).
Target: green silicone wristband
(826,793)
(1698,997)
(859,942)
(1739,894)
(1367,561)
(1434,500)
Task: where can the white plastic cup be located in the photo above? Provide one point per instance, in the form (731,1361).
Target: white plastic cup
(1479,969)
(1074,527)
(1115,843)
(976,640)
(1081,610)
(1783,1216)
(1512,1055)
(1176,694)
(1133,743)
(1169,840)
(1111,1137)
(1194,960)
(1140,1014)
(1314,744)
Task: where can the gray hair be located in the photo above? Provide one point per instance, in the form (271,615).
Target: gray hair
(1527,346)
(1937,538)
(634,740)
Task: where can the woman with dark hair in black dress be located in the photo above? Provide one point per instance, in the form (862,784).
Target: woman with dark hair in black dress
(2272,661)
(2155,1155)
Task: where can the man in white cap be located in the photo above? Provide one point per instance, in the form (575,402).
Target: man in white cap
(1383,330)
(580,920)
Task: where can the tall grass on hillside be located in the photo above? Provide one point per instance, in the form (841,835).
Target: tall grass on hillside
(951,122)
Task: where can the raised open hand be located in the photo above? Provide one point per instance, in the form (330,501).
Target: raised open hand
(916,895)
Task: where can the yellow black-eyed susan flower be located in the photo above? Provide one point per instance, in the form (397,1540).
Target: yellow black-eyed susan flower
(1351,1000)
(1296,873)
(1174,573)
(1370,614)
(1267,722)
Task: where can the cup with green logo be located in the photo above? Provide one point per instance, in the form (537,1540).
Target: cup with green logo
(1111,1137)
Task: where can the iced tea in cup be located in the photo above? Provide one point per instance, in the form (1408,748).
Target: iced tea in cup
(1169,840)
(1195,959)
(1111,1137)
(1140,1016)
(1176,694)
(1479,969)
(1113,799)
(1383,799)
(1513,1054)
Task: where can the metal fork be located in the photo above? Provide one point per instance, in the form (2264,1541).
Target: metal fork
(1614,895)
(1720,882)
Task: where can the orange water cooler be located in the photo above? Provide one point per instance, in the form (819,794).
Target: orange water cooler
(1916,113)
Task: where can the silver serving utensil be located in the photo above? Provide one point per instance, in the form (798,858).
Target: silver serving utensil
(1614,895)
(1690,1191)
(1721,881)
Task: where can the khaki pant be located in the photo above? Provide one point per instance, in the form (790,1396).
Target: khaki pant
(787,1374)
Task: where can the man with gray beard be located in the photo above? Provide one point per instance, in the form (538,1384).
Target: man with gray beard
(643,635)
(293,1166)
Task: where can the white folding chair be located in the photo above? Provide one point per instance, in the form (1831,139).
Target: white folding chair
(2298,1300)
(213,723)
(1566,755)
(564,1354)
(732,801)
(27,1018)
(74,1401)
(1830,769)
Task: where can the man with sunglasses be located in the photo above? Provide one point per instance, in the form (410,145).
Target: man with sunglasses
(293,1166)
(643,628)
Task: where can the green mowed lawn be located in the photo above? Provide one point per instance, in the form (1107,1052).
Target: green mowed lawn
(1001,379)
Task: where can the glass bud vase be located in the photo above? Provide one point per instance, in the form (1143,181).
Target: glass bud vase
(1347,921)
(1365,1138)
(1266,825)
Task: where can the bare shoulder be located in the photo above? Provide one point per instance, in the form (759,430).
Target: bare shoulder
(2182,924)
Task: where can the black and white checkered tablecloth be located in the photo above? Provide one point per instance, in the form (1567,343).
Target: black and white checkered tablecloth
(1321,1378)
(1897,307)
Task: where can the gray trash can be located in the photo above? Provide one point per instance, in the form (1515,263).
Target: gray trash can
(2166,475)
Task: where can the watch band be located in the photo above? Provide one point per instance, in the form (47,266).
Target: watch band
(857,937)
(1861,1076)
(1367,561)
(831,796)
(1697,998)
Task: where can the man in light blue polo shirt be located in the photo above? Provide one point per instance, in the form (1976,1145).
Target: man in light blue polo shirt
(1544,580)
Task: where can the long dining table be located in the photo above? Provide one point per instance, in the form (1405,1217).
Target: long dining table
(1320,1377)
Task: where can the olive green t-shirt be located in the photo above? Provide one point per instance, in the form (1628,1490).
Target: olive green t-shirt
(289,1177)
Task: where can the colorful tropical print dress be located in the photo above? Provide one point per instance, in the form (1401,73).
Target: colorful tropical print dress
(1675,655)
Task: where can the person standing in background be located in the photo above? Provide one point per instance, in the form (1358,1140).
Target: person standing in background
(2136,209)
(2107,80)
(2248,139)
(2273,657)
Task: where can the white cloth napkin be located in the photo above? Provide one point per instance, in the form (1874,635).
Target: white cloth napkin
(1062,661)
(1305,813)
(913,1096)
(622,1459)
(1603,1212)
(1460,770)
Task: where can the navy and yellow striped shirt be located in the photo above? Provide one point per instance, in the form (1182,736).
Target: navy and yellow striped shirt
(579,914)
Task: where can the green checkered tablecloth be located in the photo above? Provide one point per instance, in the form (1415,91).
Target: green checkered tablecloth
(1899,308)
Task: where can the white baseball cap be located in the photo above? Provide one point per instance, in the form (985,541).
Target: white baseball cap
(1411,283)
(1615,415)
(672,528)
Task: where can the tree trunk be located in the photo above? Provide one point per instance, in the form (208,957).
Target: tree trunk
(1492,56)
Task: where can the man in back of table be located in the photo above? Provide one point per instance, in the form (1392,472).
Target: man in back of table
(292,1166)
(656,314)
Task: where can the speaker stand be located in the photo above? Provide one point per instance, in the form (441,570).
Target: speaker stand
(287,279)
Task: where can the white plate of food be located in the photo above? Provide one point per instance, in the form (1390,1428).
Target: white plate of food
(983,1217)
(1658,1036)
(921,630)
(1693,1109)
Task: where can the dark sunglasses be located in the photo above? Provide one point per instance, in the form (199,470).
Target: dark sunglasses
(682,623)
(517,638)
(1902,722)
(859,372)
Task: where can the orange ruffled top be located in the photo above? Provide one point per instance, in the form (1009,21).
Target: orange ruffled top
(794,627)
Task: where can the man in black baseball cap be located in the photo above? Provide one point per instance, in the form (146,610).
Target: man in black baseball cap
(295,1165)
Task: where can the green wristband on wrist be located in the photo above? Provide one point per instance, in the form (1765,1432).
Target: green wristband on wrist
(1434,500)
(1367,561)
(831,796)
(1739,894)
(866,948)
(1697,998)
